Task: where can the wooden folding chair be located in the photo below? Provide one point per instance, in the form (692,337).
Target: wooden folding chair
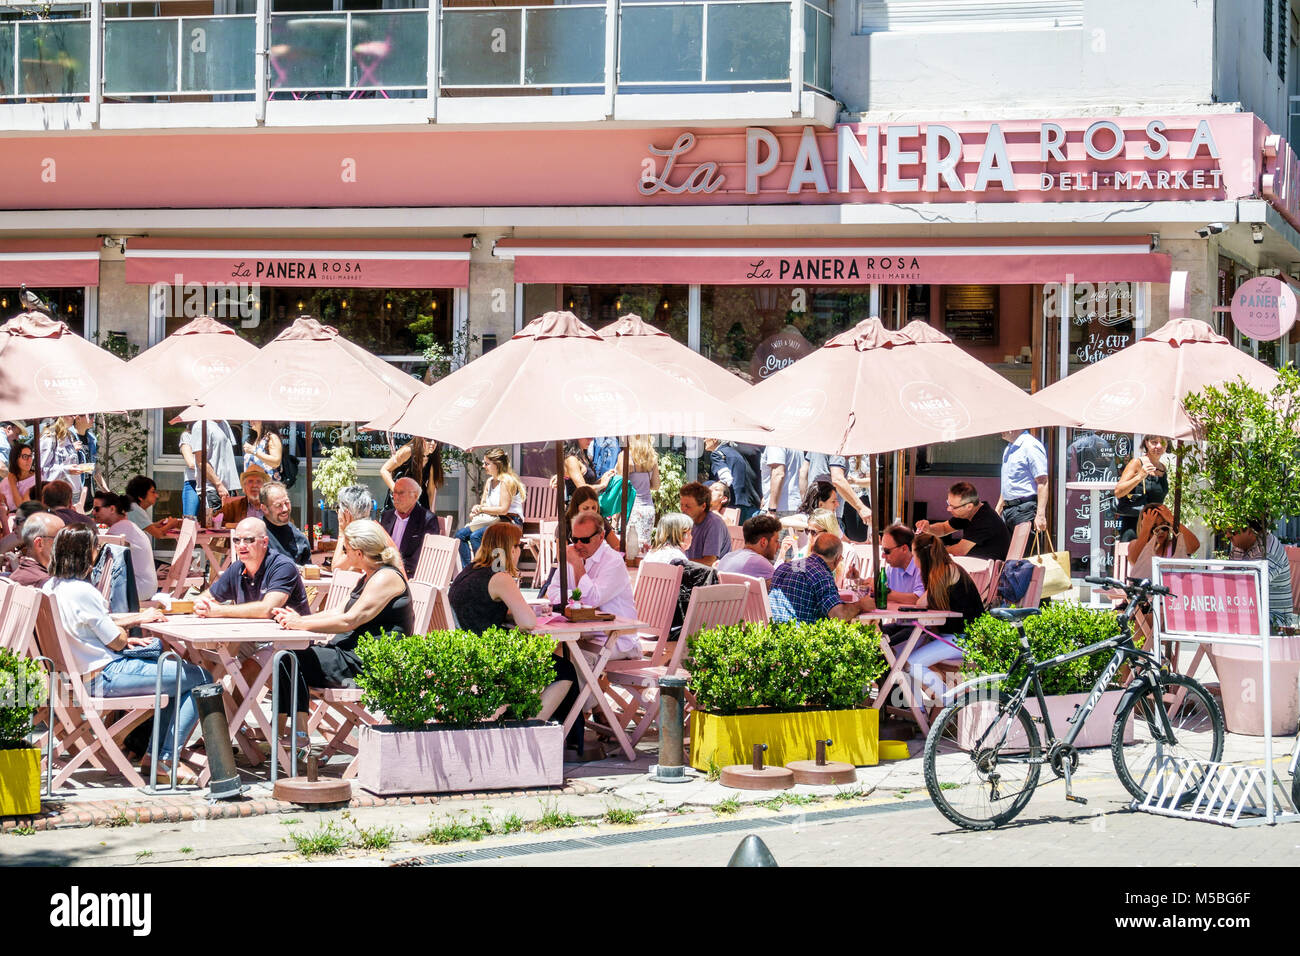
(715,605)
(439,560)
(737,537)
(18,618)
(539,502)
(81,736)
(731,517)
(756,607)
(985,572)
(544,549)
(178,579)
(1019,541)
(658,587)
(1034,593)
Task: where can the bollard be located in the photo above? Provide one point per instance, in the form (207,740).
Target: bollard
(756,776)
(752,852)
(821,751)
(224,782)
(821,770)
(672,753)
(758,755)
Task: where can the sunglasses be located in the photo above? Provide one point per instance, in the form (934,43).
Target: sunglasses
(243,540)
(576,539)
(885,550)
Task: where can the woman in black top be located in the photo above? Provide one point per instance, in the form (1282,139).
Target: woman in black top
(487,593)
(580,470)
(415,460)
(380,603)
(1145,482)
(947,588)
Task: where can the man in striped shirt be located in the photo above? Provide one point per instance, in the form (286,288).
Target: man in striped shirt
(1253,543)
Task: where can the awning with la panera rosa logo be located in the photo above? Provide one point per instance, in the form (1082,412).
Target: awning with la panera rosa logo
(1011,261)
(49,263)
(305,263)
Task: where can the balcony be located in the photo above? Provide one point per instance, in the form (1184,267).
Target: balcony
(661,61)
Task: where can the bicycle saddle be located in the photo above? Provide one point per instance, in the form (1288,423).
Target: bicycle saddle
(1013,614)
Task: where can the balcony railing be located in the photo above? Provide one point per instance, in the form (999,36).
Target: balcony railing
(658,46)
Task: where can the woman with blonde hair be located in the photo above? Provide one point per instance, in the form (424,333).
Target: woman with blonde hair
(379,604)
(502,500)
(644,476)
(672,538)
(61,457)
(486,594)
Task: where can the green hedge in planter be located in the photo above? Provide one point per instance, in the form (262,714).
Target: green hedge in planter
(22,693)
(455,677)
(991,645)
(787,666)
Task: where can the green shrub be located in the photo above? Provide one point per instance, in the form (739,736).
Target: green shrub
(22,693)
(455,677)
(991,645)
(672,475)
(787,666)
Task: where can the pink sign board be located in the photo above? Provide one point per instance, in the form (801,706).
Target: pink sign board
(1264,308)
(1211,603)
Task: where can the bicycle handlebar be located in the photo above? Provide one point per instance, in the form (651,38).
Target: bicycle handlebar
(1144,587)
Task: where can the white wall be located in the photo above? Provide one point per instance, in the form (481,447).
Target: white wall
(1155,51)
(1242,73)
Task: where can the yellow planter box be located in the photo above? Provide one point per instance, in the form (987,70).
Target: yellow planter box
(793,736)
(20,782)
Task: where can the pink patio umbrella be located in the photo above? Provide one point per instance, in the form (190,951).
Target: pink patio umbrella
(46,370)
(870,390)
(1142,388)
(637,337)
(307,373)
(180,368)
(557,379)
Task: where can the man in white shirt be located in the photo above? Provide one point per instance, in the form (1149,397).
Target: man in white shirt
(599,572)
(110,510)
(781,479)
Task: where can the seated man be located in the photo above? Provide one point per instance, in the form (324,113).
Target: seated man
(37,534)
(804,589)
(762,540)
(111,510)
(407,522)
(901,573)
(1253,543)
(57,497)
(257,581)
(984,534)
(235,510)
(284,537)
(600,574)
(710,538)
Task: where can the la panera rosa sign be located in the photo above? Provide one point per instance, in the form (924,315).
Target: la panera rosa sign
(1122,158)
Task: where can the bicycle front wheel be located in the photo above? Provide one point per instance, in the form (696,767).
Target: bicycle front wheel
(981,764)
(1197,725)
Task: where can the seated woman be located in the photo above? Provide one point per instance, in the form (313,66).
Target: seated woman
(381,602)
(100,648)
(503,499)
(672,538)
(585,498)
(486,594)
(947,588)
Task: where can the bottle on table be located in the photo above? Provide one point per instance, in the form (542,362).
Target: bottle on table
(882,588)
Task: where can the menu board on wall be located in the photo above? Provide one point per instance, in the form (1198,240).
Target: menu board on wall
(970,313)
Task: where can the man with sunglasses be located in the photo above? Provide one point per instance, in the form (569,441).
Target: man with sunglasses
(257,581)
(901,573)
(599,572)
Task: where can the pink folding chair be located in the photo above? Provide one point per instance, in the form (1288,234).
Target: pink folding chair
(439,560)
(737,537)
(178,579)
(1019,541)
(539,501)
(544,549)
(756,607)
(18,618)
(731,516)
(1034,593)
(430,609)
(658,587)
(715,605)
(368,57)
(984,572)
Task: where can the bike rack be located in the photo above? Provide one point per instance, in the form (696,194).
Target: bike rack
(157,726)
(1235,795)
(280,658)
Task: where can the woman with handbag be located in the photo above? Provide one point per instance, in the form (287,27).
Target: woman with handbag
(1145,481)
(503,499)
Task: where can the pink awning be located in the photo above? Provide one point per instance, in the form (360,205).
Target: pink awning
(47,263)
(349,263)
(1010,261)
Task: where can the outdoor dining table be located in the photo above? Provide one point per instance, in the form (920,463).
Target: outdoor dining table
(217,642)
(570,632)
(919,619)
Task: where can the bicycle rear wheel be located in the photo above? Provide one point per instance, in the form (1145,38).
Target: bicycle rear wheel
(974,782)
(1197,724)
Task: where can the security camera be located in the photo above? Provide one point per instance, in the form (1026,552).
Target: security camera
(1212,229)
(1257,233)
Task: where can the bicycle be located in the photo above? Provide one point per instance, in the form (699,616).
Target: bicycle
(983,755)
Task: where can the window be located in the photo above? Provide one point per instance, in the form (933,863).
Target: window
(1268,29)
(955,16)
(1283,17)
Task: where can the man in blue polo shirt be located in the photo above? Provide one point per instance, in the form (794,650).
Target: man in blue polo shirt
(804,589)
(257,581)
(1023,494)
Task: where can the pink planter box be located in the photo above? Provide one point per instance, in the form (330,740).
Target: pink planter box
(438,759)
(1241,682)
(1060,708)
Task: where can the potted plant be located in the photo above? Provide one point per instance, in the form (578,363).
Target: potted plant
(337,470)
(786,685)
(991,647)
(458,708)
(1242,472)
(22,691)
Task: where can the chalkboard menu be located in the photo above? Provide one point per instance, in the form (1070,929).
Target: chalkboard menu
(970,313)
